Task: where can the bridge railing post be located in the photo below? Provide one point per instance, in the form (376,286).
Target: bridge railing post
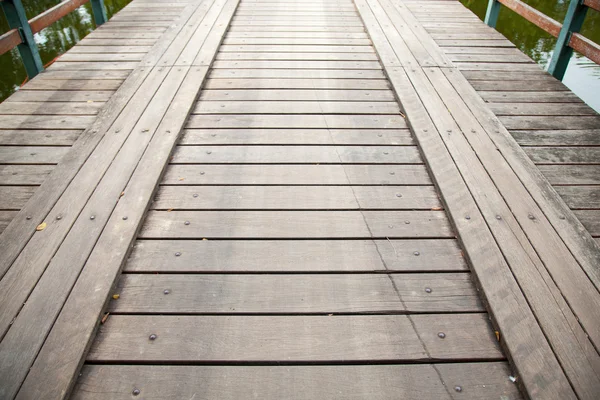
(562,51)
(99,12)
(493,10)
(17,19)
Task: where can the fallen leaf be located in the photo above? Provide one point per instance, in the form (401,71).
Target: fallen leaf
(116,296)
(181,179)
(122,194)
(170,209)
(90,101)
(497,335)
(41,227)
(436,208)
(204,239)
(104,318)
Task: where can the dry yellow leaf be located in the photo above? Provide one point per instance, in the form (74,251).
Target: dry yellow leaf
(436,208)
(116,296)
(169,210)
(497,335)
(41,227)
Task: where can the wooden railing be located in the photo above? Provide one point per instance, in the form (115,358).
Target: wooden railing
(567,33)
(22,30)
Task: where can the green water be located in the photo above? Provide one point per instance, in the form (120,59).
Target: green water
(52,41)
(583,75)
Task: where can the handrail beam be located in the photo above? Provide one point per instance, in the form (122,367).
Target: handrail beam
(9,41)
(53,14)
(534,16)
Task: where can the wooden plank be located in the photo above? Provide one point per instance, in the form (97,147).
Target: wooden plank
(14,197)
(297,155)
(38,137)
(291,224)
(234,41)
(296,74)
(460,204)
(85,75)
(293,48)
(48,96)
(45,122)
(301,83)
(529,97)
(295,198)
(299,95)
(294,294)
(315,56)
(401,174)
(571,174)
(110,251)
(31,154)
(56,108)
(296,136)
(546,109)
(342,338)
(538,235)
(516,85)
(24,174)
(297,64)
(5,218)
(563,155)
(557,137)
(377,382)
(578,197)
(296,121)
(591,220)
(293,107)
(231,256)
(542,122)
(73,84)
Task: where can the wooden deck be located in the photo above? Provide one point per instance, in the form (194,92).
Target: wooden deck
(226,199)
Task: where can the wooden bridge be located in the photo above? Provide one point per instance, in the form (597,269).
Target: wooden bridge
(298,199)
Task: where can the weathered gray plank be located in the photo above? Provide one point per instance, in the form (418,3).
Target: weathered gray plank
(296,154)
(296,74)
(297,175)
(299,94)
(296,83)
(376,382)
(559,174)
(32,154)
(295,198)
(297,136)
(341,338)
(294,294)
(230,256)
(557,137)
(24,174)
(580,196)
(38,137)
(333,121)
(295,107)
(564,155)
(13,197)
(292,224)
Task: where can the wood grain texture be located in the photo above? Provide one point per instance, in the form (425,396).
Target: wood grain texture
(291,224)
(347,174)
(292,339)
(294,294)
(377,382)
(203,256)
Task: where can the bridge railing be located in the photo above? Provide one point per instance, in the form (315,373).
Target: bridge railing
(567,33)
(22,30)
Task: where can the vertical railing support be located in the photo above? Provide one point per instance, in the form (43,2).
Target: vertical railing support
(493,10)
(563,52)
(17,19)
(99,12)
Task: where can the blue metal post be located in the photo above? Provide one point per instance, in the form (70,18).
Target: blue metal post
(493,10)
(562,52)
(99,12)
(15,15)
